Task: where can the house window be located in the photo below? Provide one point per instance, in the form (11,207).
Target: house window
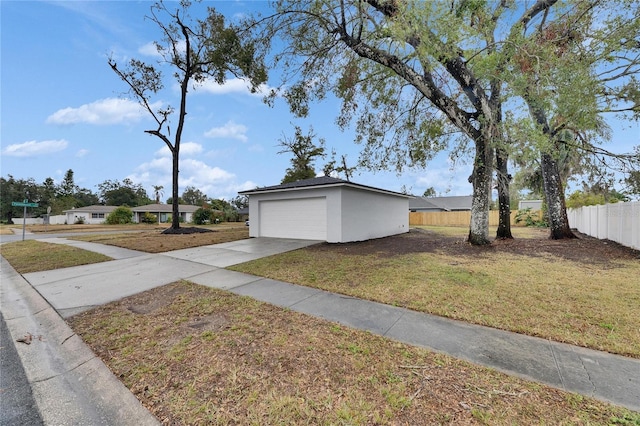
(97,215)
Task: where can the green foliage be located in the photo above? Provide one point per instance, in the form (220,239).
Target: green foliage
(530,218)
(304,152)
(429,192)
(121,215)
(202,216)
(149,218)
(633,181)
(193,196)
(587,198)
(47,194)
(79,220)
(627,419)
(116,193)
(240,201)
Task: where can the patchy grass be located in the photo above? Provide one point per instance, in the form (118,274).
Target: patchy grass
(196,355)
(6,230)
(517,286)
(157,242)
(84,228)
(34,256)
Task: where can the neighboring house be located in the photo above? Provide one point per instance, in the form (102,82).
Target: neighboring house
(440,204)
(97,214)
(326,209)
(163,212)
(530,204)
(243,213)
(91,215)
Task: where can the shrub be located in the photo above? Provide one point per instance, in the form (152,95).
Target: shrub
(530,218)
(202,216)
(149,218)
(79,220)
(120,216)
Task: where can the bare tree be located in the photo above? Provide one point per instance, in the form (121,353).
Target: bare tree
(195,50)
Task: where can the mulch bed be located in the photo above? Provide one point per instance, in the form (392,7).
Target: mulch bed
(585,249)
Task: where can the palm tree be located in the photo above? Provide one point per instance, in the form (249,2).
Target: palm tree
(157,191)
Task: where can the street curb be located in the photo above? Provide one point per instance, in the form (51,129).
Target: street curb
(70,384)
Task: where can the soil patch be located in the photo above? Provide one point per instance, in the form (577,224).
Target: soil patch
(186,230)
(584,249)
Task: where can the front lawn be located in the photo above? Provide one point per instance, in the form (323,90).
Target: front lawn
(35,256)
(154,241)
(196,355)
(584,292)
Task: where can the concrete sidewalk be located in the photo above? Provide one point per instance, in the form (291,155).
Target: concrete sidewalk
(601,375)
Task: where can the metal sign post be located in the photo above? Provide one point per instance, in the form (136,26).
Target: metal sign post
(24,204)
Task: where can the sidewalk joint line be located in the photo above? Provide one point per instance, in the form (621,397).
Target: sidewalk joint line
(402,314)
(555,361)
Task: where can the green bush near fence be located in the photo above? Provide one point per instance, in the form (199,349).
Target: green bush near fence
(530,218)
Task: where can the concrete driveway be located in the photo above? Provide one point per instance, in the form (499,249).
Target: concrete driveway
(77,289)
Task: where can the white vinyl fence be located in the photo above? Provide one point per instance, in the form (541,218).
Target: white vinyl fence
(619,222)
(59,219)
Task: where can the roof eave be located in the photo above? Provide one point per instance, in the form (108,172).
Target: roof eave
(328,185)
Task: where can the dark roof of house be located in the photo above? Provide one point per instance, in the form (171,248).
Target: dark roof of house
(152,208)
(165,208)
(321,181)
(98,208)
(460,202)
(422,203)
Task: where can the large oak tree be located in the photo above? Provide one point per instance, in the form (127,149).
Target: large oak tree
(412,75)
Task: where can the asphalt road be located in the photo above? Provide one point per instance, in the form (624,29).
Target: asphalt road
(17,406)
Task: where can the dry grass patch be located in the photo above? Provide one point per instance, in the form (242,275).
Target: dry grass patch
(34,256)
(5,230)
(195,355)
(157,242)
(85,228)
(532,286)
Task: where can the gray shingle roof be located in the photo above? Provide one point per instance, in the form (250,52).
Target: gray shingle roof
(98,208)
(165,208)
(460,202)
(152,208)
(317,182)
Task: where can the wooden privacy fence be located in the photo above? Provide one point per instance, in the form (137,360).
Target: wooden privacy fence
(619,222)
(462,218)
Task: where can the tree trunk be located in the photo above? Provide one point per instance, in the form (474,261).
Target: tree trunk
(481,180)
(175,219)
(504,197)
(554,194)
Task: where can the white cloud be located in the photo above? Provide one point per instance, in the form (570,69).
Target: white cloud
(232,85)
(201,175)
(82,152)
(213,181)
(101,112)
(149,49)
(186,148)
(445,181)
(34,148)
(230,130)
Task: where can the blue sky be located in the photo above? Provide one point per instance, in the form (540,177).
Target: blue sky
(62,108)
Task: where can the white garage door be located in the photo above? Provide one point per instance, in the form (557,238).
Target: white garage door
(301,218)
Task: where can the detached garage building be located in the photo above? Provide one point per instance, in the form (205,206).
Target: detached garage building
(326,209)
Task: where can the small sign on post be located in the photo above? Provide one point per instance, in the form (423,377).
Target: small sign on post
(24,204)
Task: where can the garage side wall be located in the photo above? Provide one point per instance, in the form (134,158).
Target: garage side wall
(368,214)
